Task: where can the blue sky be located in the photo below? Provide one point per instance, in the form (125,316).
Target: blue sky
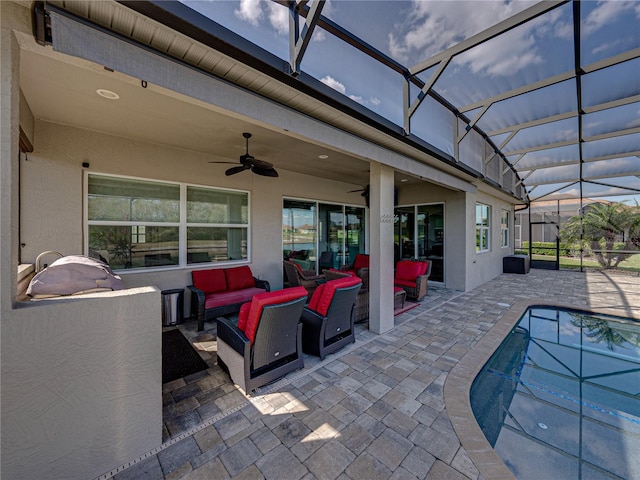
(413,31)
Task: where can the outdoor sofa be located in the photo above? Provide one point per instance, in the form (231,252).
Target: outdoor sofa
(221,291)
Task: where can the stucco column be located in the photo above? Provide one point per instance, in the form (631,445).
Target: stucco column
(381,248)
(9,162)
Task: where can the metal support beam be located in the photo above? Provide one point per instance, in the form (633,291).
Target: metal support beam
(299,40)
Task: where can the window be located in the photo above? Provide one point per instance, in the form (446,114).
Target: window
(504,228)
(133,223)
(483,227)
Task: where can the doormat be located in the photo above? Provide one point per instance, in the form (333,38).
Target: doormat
(179,358)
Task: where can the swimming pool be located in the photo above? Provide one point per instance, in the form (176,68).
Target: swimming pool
(560,397)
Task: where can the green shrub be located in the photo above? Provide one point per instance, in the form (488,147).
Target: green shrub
(546,248)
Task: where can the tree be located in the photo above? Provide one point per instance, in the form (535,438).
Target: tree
(607,229)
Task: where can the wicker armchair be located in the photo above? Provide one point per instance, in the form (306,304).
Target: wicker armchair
(301,278)
(362,299)
(412,276)
(361,261)
(328,320)
(267,342)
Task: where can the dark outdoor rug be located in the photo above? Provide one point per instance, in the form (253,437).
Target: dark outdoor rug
(179,358)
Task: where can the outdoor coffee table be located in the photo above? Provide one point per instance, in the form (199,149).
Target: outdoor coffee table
(399,296)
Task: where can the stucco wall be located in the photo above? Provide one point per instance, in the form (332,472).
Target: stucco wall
(81,384)
(53,197)
(482,267)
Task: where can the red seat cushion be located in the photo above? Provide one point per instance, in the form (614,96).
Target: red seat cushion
(405,283)
(408,270)
(209,281)
(250,316)
(361,261)
(322,301)
(220,299)
(239,278)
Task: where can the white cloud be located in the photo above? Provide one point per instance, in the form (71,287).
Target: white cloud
(335,84)
(340,87)
(432,27)
(566,135)
(249,11)
(605,12)
(278,17)
(254,12)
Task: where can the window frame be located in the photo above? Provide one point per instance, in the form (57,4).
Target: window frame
(480,229)
(182,223)
(505,231)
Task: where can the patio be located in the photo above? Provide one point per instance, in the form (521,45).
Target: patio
(389,406)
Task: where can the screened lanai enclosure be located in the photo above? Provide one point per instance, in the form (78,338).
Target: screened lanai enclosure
(540,99)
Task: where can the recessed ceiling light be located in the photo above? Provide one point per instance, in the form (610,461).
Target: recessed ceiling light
(107,94)
(404,180)
(323,156)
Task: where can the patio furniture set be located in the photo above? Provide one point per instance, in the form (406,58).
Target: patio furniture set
(275,328)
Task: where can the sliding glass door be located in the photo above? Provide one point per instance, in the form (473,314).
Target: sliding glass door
(321,235)
(419,234)
(299,237)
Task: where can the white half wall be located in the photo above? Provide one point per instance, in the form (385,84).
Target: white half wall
(81,384)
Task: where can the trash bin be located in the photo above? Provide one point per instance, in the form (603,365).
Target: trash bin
(172,307)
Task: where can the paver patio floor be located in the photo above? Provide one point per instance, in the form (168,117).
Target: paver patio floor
(388,406)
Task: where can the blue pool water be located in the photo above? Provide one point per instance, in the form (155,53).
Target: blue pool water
(560,398)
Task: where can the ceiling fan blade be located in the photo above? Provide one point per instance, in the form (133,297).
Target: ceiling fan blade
(359,190)
(265,172)
(262,163)
(234,170)
(227,163)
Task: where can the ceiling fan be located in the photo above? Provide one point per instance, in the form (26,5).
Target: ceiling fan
(249,162)
(365,193)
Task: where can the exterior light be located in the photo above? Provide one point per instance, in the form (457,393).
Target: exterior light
(107,94)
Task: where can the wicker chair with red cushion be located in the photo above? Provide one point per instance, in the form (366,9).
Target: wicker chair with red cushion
(303,278)
(361,261)
(328,320)
(267,341)
(412,276)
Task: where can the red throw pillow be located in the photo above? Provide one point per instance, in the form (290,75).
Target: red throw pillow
(239,278)
(261,300)
(425,267)
(329,290)
(242,316)
(408,270)
(209,281)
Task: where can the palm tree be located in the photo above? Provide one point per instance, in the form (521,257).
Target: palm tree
(605,226)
